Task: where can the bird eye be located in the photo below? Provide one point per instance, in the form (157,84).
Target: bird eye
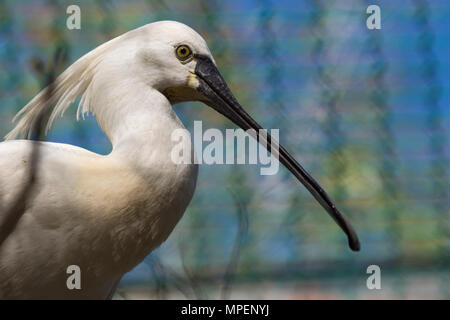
(183,52)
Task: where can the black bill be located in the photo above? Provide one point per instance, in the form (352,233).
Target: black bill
(219,96)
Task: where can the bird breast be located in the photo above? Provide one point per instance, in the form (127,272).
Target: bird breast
(103,215)
(137,211)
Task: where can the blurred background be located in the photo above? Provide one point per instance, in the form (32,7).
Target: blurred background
(367,112)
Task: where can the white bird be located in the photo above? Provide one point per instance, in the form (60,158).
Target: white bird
(105,214)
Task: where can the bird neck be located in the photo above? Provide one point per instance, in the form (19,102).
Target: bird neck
(139,123)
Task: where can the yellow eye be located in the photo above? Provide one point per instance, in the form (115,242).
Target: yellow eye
(183,52)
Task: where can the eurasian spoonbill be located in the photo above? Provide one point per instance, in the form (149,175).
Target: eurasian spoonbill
(105,214)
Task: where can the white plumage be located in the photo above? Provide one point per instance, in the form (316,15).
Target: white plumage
(105,214)
(102,213)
